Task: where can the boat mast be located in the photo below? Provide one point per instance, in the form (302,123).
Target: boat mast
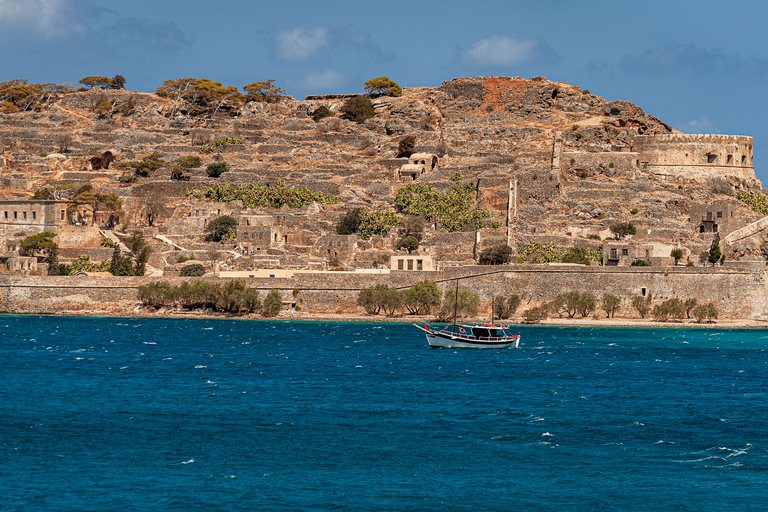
(492,301)
(456,305)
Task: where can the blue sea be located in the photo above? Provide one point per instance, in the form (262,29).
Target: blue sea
(107,414)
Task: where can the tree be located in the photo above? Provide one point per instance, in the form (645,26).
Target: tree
(220,226)
(157,294)
(95,201)
(200,95)
(382,86)
(42,246)
(406,147)
(192,270)
(420,298)
(642,305)
(321,112)
(535,315)
(358,109)
(265,92)
(121,265)
(154,207)
(672,308)
(708,311)
(587,304)
(367,299)
(677,253)
(689,304)
(99,82)
(44,194)
(623,229)
(272,303)
(390,299)
(413,224)
(216,169)
(464,303)
(409,242)
(118,82)
(454,210)
(141,251)
(610,304)
(504,308)
(496,255)
(349,223)
(715,254)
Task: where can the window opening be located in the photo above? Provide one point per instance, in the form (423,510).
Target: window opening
(410,264)
(419,265)
(399,264)
(642,290)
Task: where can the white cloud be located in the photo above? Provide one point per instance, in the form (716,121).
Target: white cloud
(51,18)
(300,43)
(327,80)
(501,51)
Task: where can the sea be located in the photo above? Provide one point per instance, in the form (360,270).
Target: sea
(122,414)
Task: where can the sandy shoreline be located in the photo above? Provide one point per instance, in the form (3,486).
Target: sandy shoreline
(301,316)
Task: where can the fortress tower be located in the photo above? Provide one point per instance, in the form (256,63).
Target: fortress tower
(696,156)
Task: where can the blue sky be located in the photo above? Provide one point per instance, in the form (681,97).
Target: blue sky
(699,65)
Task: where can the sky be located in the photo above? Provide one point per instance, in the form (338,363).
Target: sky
(699,65)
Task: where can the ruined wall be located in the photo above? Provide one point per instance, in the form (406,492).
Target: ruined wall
(609,163)
(738,292)
(696,156)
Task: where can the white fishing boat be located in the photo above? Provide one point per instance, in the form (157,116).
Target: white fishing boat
(469,336)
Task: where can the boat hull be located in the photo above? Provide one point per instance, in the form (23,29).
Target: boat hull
(441,339)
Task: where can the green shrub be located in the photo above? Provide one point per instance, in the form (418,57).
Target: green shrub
(535,315)
(466,305)
(181,259)
(216,169)
(358,109)
(610,304)
(406,146)
(409,242)
(220,226)
(497,255)
(504,308)
(272,303)
(193,270)
(642,305)
(623,229)
(321,112)
(420,298)
(260,196)
(708,311)
(634,211)
(224,141)
(382,86)
(641,263)
(677,253)
(349,223)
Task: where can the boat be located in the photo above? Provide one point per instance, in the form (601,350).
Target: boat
(469,336)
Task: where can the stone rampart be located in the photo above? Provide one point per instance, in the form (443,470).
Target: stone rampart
(696,156)
(737,292)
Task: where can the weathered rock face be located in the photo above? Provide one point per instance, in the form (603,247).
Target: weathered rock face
(548,160)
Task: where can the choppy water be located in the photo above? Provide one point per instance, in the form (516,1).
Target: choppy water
(208,415)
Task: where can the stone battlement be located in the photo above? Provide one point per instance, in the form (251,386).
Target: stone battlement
(692,137)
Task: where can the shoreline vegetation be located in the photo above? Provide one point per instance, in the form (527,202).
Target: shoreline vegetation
(295,316)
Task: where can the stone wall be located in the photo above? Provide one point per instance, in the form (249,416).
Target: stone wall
(696,156)
(738,292)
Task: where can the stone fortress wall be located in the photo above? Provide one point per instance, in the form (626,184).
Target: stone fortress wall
(696,156)
(739,291)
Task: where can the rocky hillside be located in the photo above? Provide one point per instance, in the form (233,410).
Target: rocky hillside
(504,135)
